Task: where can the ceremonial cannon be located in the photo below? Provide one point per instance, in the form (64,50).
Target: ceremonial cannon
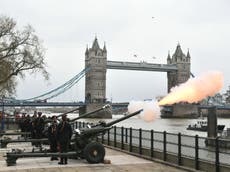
(44,140)
(83,144)
(27,134)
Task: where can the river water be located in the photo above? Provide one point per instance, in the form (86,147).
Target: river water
(172,125)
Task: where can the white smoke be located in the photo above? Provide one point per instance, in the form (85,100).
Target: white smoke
(151,109)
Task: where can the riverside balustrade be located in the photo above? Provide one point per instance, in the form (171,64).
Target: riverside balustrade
(182,150)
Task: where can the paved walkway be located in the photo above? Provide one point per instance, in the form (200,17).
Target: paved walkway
(120,162)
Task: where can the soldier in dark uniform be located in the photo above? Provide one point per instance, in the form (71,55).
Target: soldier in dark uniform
(64,134)
(33,125)
(39,125)
(22,122)
(52,136)
(27,125)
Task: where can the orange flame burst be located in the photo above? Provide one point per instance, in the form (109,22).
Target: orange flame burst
(195,89)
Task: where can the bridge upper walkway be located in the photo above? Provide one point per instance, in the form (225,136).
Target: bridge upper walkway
(143,66)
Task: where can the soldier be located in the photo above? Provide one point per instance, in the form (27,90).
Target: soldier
(27,124)
(52,136)
(33,125)
(22,126)
(64,134)
(39,125)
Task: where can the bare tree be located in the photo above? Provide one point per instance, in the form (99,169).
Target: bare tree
(20,51)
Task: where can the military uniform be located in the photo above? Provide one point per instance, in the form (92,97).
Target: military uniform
(64,134)
(52,136)
(39,126)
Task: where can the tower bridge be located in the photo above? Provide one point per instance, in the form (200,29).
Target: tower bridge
(96,63)
(177,68)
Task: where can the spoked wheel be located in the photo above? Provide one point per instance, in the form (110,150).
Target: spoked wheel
(94,152)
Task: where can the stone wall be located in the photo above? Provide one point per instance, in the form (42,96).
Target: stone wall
(181,110)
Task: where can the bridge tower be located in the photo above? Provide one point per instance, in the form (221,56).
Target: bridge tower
(95,79)
(182,62)
(175,78)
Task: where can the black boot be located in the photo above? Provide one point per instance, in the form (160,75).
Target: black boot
(66,161)
(61,161)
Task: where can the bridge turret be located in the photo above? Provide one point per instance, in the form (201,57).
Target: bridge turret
(169,60)
(183,65)
(104,49)
(188,56)
(95,45)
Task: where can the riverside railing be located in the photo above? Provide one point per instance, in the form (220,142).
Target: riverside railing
(179,149)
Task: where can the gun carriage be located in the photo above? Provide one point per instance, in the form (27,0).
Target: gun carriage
(45,140)
(83,144)
(27,134)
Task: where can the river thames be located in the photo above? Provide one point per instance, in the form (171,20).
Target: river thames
(170,125)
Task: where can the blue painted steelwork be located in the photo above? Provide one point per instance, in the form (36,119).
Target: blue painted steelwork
(143,66)
(42,104)
(59,90)
(50,94)
(74,104)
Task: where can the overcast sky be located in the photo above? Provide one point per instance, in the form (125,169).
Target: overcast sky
(146,28)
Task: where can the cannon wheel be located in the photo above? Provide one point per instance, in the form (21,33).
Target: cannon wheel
(94,152)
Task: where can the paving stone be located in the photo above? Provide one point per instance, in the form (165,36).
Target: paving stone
(120,162)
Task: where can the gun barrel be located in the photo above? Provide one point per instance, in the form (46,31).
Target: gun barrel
(89,113)
(123,118)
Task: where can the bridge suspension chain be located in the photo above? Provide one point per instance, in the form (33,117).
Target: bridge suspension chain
(61,89)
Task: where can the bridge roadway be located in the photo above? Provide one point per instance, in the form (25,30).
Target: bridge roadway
(143,66)
(40,104)
(53,104)
(77,104)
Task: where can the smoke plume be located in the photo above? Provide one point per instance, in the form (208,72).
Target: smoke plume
(151,109)
(195,89)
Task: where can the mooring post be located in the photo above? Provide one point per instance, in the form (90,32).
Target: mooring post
(212,122)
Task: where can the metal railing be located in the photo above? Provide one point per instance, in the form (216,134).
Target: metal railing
(164,145)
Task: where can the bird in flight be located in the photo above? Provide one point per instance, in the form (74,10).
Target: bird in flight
(134,55)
